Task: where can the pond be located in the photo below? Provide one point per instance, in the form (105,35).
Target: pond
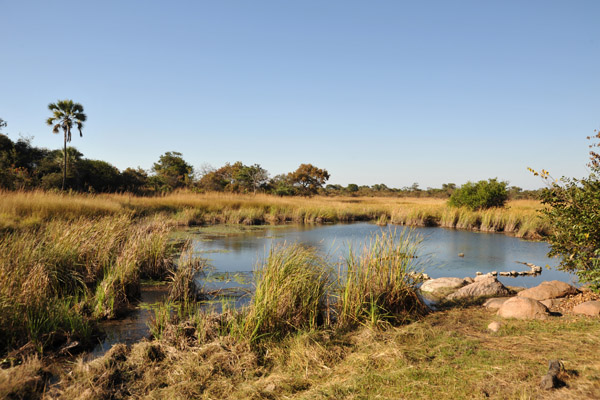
(235,251)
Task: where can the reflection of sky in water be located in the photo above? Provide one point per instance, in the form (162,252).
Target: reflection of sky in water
(484,252)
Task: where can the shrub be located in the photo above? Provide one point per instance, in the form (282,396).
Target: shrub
(480,195)
(573,215)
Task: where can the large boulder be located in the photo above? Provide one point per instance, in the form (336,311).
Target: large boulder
(549,290)
(442,284)
(523,308)
(590,308)
(495,303)
(489,287)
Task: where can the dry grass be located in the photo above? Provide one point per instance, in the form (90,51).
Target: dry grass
(446,355)
(53,277)
(19,209)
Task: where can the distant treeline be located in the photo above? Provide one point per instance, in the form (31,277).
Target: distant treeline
(24,166)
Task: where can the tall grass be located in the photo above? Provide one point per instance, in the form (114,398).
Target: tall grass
(53,277)
(290,293)
(18,209)
(378,284)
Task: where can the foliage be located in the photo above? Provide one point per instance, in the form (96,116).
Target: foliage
(379,284)
(65,114)
(172,171)
(574,215)
(308,179)
(480,195)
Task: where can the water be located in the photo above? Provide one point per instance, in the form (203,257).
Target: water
(234,253)
(133,327)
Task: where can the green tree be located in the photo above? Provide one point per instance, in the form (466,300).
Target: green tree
(252,177)
(173,171)
(574,217)
(308,179)
(133,180)
(352,188)
(480,195)
(65,114)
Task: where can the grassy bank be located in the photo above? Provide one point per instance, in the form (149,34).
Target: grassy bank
(446,355)
(58,278)
(19,209)
(313,332)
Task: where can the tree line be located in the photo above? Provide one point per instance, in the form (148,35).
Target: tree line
(24,166)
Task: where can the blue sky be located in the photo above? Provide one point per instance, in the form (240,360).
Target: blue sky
(390,92)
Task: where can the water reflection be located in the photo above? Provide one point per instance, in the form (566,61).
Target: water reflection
(485,252)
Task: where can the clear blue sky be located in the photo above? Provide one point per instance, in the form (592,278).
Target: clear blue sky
(390,92)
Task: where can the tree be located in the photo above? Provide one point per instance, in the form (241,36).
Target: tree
(352,188)
(2,124)
(65,114)
(308,178)
(252,177)
(173,171)
(573,215)
(133,180)
(480,195)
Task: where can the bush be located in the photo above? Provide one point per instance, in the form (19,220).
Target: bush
(480,195)
(574,216)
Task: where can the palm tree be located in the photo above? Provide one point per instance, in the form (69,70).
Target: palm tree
(65,114)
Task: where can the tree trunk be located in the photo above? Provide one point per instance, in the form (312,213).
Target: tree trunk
(64,163)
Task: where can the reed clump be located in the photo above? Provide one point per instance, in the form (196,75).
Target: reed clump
(55,277)
(379,284)
(290,293)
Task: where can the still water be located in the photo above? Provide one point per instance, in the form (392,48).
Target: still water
(235,252)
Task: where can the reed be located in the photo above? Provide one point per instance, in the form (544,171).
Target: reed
(54,276)
(378,284)
(30,209)
(290,293)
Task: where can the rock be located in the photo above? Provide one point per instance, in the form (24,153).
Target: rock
(551,380)
(495,303)
(494,326)
(494,273)
(589,308)
(549,290)
(435,285)
(482,277)
(468,279)
(523,308)
(478,273)
(514,273)
(551,303)
(461,254)
(489,287)
(270,387)
(504,273)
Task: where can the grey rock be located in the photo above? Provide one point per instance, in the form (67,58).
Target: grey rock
(551,380)
(489,287)
(435,285)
